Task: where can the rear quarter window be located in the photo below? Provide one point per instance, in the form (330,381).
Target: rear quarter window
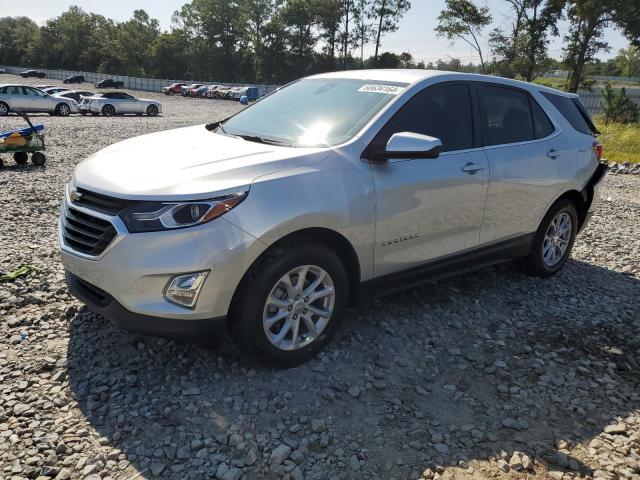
(570,112)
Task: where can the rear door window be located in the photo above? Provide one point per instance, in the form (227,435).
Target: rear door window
(570,112)
(541,123)
(442,111)
(506,115)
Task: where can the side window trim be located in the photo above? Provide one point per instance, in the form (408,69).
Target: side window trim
(475,119)
(556,129)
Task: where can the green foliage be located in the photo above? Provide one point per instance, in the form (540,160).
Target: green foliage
(18,36)
(462,19)
(618,107)
(621,141)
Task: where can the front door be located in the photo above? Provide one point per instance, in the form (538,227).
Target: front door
(430,208)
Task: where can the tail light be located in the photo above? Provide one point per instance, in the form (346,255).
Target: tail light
(597,149)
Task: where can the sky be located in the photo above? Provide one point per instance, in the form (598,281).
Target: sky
(416,33)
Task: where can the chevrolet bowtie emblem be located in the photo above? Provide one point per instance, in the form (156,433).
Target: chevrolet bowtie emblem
(75,195)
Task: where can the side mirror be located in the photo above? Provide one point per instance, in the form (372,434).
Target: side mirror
(411,145)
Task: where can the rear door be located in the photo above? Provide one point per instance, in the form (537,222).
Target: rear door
(39,101)
(527,159)
(430,208)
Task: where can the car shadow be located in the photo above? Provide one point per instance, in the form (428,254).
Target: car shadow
(464,369)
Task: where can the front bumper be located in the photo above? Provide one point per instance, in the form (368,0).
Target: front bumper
(104,304)
(134,269)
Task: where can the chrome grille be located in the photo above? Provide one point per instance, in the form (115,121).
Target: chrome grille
(85,233)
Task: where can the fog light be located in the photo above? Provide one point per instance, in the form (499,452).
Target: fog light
(184,289)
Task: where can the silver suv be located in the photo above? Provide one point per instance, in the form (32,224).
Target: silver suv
(335,187)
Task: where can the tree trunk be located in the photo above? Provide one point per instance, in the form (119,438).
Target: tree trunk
(533,40)
(382,9)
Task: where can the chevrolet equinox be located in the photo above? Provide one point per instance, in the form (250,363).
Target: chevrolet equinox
(271,222)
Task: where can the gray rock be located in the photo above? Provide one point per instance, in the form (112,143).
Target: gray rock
(279,454)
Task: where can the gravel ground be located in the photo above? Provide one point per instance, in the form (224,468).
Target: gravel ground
(489,375)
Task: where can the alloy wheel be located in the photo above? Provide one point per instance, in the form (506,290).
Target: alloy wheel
(556,239)
(4,110)
(299,307)
(64,110)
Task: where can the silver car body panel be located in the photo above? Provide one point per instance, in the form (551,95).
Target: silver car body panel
(122,106)
(396,215)
(42,102)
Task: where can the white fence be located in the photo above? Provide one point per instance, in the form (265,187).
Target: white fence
(134,83)
(594,101)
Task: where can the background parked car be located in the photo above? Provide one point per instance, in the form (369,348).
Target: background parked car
(74,79)
(109,83)
(54,90)
(2,70)
(173,89)
(234,93)
(220,92)
(202,91)
(32,73)
(120,103)
(252,93)
(209,91)
(185,88)
(28,99)
(74,94)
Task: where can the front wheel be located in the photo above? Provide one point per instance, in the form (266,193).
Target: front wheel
(553,241)
(63,110)
(4,109)
(152,110)
(108,111)
(290,304)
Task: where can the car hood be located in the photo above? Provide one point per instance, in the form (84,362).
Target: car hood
(186,163)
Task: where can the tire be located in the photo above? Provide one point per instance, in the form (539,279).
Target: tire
(21,157)
(171,92)
(152,110)
(251,312)
(63,110)
(38,159)
(4,109)
(108,111)
(547,255)
(1,164)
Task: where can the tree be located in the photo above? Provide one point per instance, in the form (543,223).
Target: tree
(135,37)
(299,17)
(588,20)
(387,14)
(464,20)
(329,16)
(167,58)
(618,107)
(628,61)
(18,37)
(257,13)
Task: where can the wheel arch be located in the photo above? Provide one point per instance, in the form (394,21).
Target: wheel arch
(330,238)
(581,200)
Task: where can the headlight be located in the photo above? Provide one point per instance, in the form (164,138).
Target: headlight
(156,216)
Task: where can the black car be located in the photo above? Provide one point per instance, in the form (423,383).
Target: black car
(32,73)
(75,94)
(109,83)
(74,79)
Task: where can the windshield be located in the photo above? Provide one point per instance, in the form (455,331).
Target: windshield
(314,112)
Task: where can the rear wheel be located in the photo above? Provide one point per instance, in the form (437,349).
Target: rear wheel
(63,110)
(38,159)
(4,109)
(553,241)
(152,110)
(21,157)
(290,304)
(108,111)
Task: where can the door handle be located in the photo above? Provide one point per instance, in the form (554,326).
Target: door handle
(471,168)
(553,153)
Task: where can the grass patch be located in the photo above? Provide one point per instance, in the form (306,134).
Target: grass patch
(621,141)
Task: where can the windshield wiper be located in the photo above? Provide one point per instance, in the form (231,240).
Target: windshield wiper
(259,139)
